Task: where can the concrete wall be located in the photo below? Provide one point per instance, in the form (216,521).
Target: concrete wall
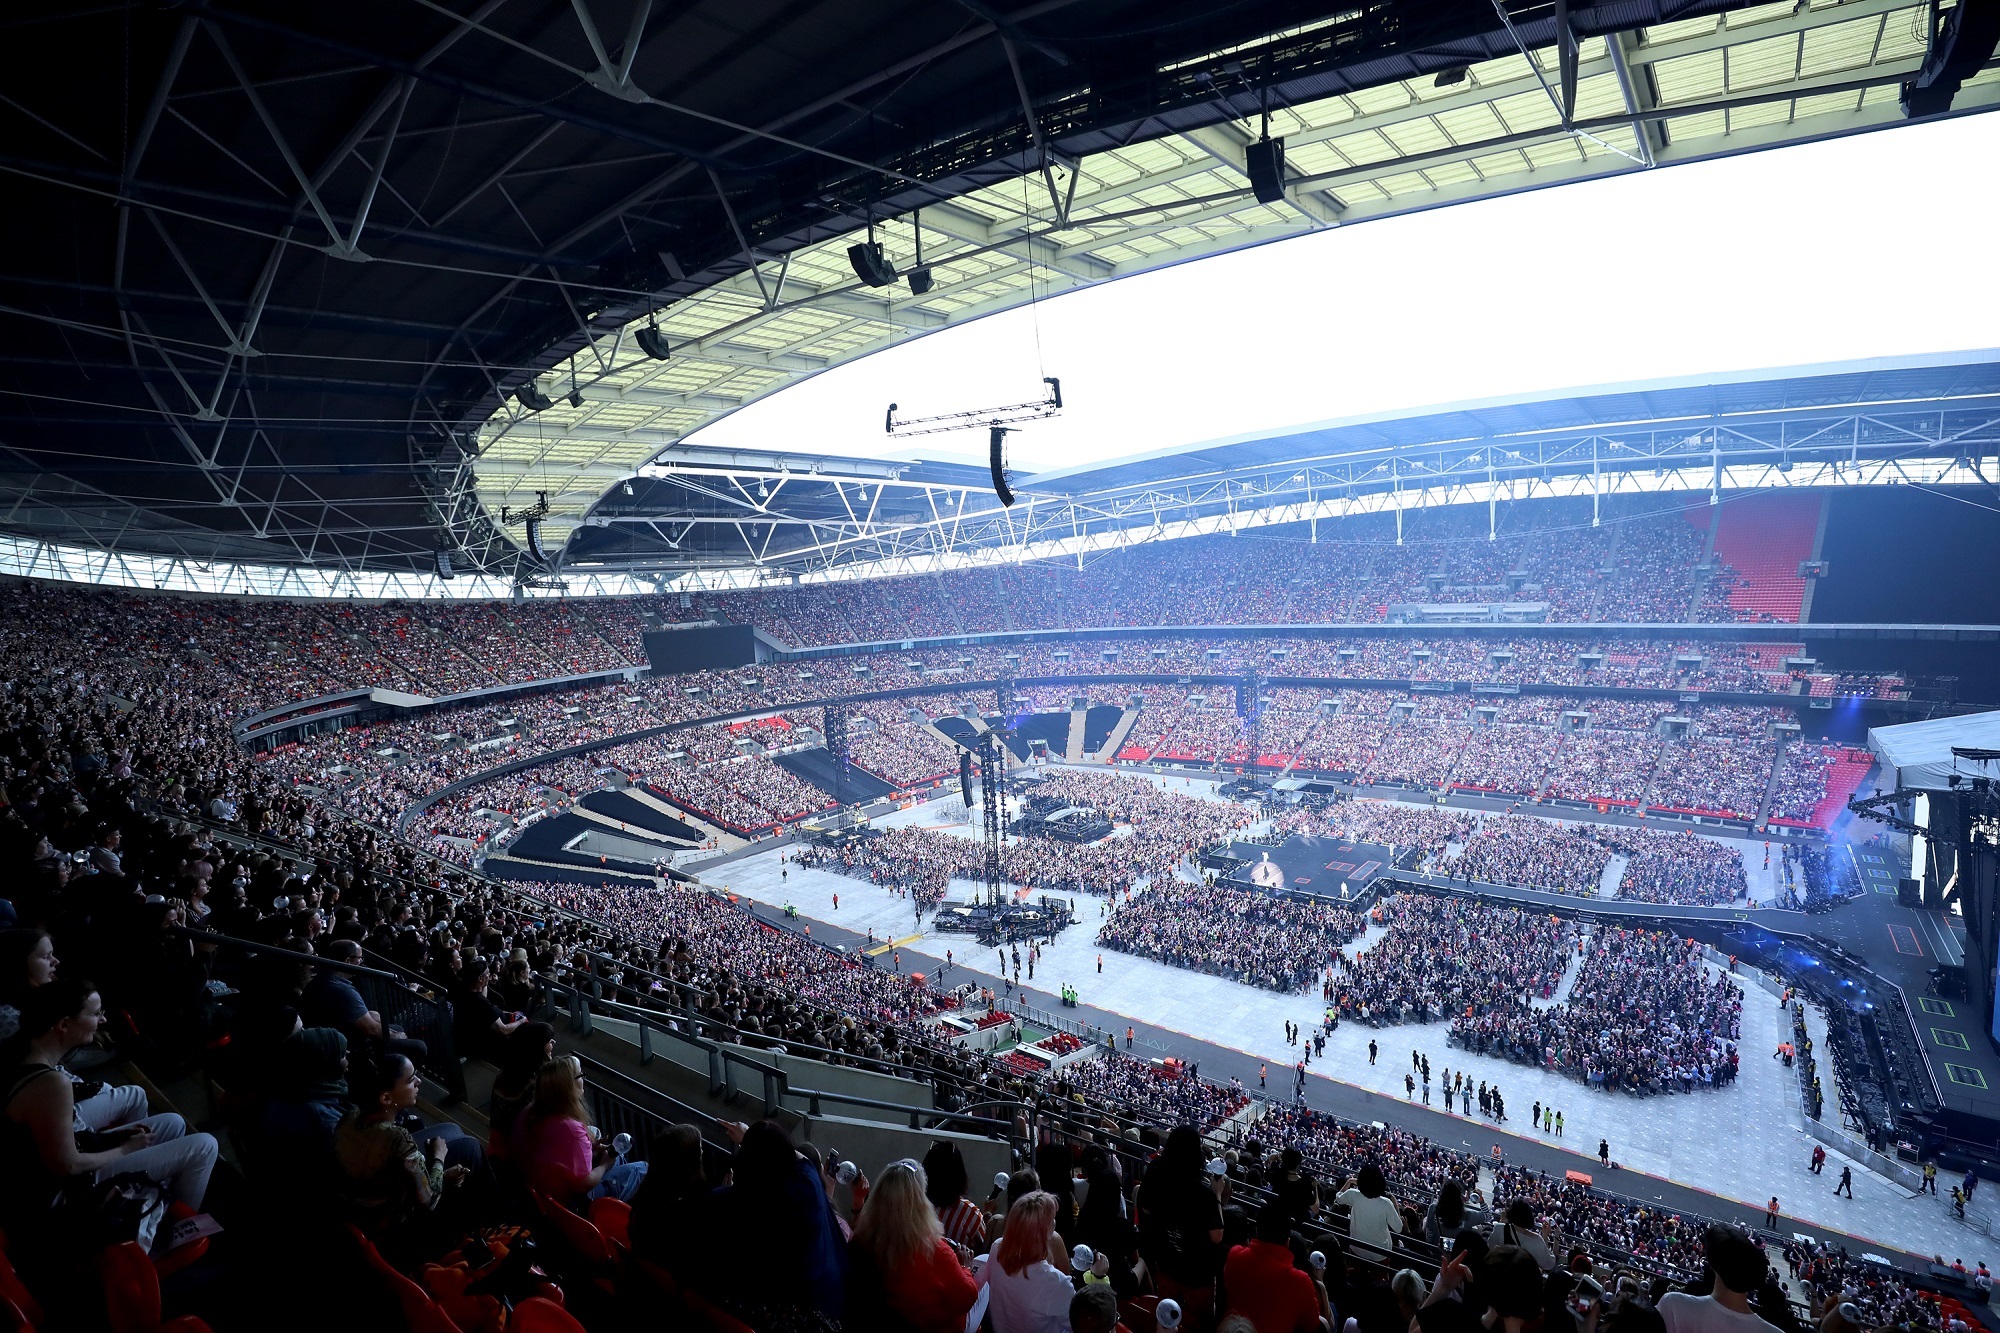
(874,1145)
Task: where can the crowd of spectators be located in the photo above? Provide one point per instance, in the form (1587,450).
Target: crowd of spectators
(1248,935)
(1163,831)
(1442,956)
(1680,868)
(1644,1015)
(1521,849)
(115,755)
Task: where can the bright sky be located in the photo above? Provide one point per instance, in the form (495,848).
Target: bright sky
(1832,251)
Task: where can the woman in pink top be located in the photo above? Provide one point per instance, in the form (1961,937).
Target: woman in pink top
(554,1146)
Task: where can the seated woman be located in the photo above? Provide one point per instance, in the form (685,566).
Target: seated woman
(555,1149)
(393,1182)
(772,1254)
(901,1266)
(1027,1274)
(47,1151)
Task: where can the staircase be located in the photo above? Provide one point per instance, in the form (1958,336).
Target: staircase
(1771,786)
(1073,747)
(1116,741)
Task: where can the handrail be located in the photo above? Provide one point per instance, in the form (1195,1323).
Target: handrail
(398,994)
(317,960)
(777,1082)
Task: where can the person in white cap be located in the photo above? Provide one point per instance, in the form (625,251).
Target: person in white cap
(1027,1275)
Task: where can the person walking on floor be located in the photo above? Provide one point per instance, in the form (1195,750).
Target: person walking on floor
(1371,1050)
(1604,1152)
(1846,1182)
(1260,1072)
(1409,1087)
(1559,1124)
(1930,1177)
(1969,1184)
(1771,1214)
(1818,1158)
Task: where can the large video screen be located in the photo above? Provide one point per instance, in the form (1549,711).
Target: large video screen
(700,648)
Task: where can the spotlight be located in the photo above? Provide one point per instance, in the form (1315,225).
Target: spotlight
(628,486)
(1449,78)
(532,398)
(651,341)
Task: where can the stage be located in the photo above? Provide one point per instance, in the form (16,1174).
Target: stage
(1334,868)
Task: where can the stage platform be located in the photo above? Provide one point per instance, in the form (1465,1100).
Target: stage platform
(1902,945)
(1333,868)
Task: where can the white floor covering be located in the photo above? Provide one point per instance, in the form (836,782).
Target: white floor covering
(1743,1142)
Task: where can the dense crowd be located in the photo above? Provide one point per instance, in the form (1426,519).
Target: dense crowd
(116,762)
(1248,935)
(1162,832)
(1643,1015)
(1679,868)
(1442,956)
(1520,849)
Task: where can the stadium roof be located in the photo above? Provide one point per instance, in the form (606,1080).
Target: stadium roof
(733,516)
(275,278)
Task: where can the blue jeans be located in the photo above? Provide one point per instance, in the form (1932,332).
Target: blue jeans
(621,1181)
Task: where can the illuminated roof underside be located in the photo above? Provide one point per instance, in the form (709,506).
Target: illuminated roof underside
(1680,92)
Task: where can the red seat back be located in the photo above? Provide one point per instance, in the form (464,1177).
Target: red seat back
(579,1233)
(536,1315)
(15,1292)
(131,1288)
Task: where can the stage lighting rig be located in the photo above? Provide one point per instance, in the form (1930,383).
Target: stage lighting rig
(985,416)
(531,519)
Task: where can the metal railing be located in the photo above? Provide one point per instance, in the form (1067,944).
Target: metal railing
(402,998)
(726,1069)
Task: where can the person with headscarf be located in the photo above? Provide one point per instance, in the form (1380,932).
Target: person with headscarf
(771,1250)
(1180,1223)
(1104,1222)
(667,1211)
(529,1047)
(945,1184)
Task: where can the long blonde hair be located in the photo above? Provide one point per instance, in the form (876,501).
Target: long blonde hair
(898,1224)
(1030,1223)
(559,1092)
